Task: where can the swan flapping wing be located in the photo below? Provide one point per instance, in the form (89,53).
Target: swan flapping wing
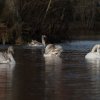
(49,48)
(53,49)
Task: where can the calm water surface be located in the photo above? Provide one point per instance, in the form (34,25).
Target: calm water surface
(69,77)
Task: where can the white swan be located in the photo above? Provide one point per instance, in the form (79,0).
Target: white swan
(6,57)
(51,49)
(35,43)
(95,53)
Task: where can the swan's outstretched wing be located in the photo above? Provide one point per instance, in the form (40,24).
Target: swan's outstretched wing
(49,48)
(53,49)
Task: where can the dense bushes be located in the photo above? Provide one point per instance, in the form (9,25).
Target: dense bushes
(59,19)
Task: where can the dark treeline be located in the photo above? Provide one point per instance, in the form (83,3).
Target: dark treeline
(58,19)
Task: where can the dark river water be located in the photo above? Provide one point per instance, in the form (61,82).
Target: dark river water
(69,77)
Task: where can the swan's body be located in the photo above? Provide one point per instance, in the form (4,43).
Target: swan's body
(95,53)
(35,43)
(51,49)
(6,57)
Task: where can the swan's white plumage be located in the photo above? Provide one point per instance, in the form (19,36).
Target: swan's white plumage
(53,50)
(35,43)
(95,53)
(6,57)
(3,58)
(92,55)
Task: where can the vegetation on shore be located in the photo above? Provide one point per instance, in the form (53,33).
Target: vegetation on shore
(23,20)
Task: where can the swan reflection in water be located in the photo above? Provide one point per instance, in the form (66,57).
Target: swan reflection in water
(52,77)
(6,80)
(94,69)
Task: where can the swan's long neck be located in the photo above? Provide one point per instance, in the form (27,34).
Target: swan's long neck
(43,41)
(11,58)
(96,48)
